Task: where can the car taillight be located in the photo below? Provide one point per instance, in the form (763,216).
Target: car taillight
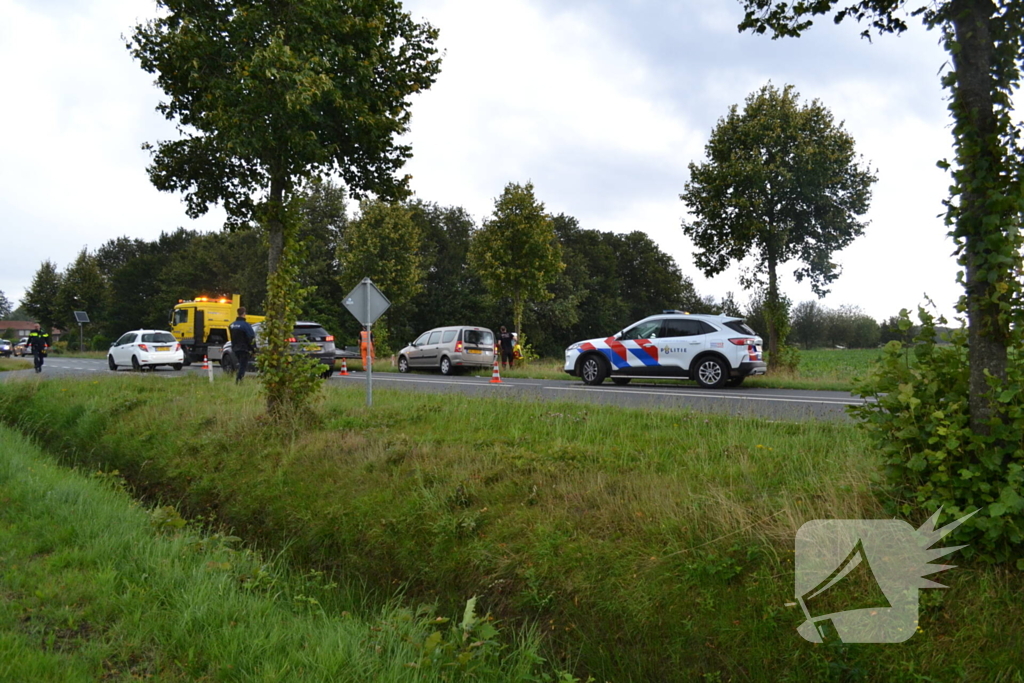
(743,341)
(329,337)
(177,347)
(458,347)
(144,348)
(292,340)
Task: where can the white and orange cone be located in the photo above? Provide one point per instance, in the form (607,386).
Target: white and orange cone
(344,367)
(495,374)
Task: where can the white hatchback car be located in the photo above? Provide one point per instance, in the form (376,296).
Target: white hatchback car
(145,349)
(715,350)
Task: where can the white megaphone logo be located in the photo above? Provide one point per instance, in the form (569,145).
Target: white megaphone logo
(857,580)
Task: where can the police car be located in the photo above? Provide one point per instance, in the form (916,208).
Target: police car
(715,350)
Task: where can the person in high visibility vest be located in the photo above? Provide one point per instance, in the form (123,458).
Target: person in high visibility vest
(366,348)
(38,342)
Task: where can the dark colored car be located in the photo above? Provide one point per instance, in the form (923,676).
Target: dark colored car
(308,338)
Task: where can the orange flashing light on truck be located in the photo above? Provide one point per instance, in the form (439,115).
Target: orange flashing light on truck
(201,325)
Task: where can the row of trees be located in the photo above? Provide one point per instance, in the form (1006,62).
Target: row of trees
(545,275)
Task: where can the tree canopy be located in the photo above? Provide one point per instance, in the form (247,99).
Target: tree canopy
(781,183)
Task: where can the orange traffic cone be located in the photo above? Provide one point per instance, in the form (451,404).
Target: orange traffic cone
(344,367)
(495,374)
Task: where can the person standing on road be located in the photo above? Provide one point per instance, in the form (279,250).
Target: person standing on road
(243,339)
(506,343)
(38,341)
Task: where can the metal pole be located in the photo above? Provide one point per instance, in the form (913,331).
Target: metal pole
(369,350)
(81,338)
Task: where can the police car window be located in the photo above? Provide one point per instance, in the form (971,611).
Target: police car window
(739,326)
(435,337)
(677,327)
(705,328)
(645,330)
(449,335)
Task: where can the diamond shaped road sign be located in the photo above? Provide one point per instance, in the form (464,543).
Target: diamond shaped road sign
(366,302)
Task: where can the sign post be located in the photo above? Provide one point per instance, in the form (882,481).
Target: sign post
(81,317)
(367,303)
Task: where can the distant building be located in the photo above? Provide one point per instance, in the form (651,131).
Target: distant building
(16,329)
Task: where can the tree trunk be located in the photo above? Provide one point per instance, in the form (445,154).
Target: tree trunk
(274,349)
(275,227)
(771,311)
(978,129)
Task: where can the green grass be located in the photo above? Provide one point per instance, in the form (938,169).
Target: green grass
(96,588)
(7,364)
(650,545)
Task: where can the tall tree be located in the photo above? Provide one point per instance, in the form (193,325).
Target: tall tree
(82,288)
(41,298)
(383,244)
(267,95)
(985,41)
(651,279)
(5,306)
(516,252)
(781,183)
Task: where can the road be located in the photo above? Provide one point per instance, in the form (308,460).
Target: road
(785,404)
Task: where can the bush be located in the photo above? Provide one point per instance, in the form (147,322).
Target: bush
(100,343)
(58,348)
(920,421)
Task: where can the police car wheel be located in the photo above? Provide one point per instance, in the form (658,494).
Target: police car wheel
(403,364)
(446,366)
(711,373)
(592,370)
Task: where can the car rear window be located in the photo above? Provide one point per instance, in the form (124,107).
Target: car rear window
(739,326)
(158,337)
(309,333)
(478,337)
(448,336)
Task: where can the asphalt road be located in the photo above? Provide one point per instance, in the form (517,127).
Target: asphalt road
(786,404)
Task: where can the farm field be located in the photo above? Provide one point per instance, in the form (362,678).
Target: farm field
(644,545)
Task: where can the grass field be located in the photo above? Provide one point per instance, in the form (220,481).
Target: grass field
(96,588)
(14,364)
(649,545)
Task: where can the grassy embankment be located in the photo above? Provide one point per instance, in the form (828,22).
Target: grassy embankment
(96,588)
(14,364)
(651,545)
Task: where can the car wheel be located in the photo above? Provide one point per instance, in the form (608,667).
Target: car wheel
(176,366)
(227,362)
(403,364)
(621,381)
(186,360)
(710,373)
(446,366)
(734,381)
(593,370)
(326,374)
(111,364)
(135,364)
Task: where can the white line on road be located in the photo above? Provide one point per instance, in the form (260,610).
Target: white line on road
(415,381)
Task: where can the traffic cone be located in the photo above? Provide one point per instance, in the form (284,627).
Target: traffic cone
(344,366)
(495,374)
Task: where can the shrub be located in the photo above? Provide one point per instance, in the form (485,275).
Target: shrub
(100,343)
(920,421)
(58,348)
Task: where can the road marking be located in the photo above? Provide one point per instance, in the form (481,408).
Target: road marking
(719,396)
(414,381)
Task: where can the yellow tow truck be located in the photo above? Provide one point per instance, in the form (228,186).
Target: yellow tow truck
(201,325)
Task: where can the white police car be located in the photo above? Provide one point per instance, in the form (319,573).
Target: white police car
(715,350)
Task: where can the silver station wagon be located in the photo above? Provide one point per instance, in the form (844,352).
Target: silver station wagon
(448,349)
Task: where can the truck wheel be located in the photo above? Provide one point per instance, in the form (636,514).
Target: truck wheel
(593,370)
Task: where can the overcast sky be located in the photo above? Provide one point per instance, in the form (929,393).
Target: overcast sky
(600,103)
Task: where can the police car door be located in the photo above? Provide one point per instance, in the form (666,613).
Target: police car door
(634,352)
(681,340)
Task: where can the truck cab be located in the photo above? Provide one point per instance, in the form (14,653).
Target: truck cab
(201,325)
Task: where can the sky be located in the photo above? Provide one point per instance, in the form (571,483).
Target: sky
(601,104)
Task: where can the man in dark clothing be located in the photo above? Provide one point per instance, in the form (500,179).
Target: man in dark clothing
(507,343)
(243,340)
(38,341)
